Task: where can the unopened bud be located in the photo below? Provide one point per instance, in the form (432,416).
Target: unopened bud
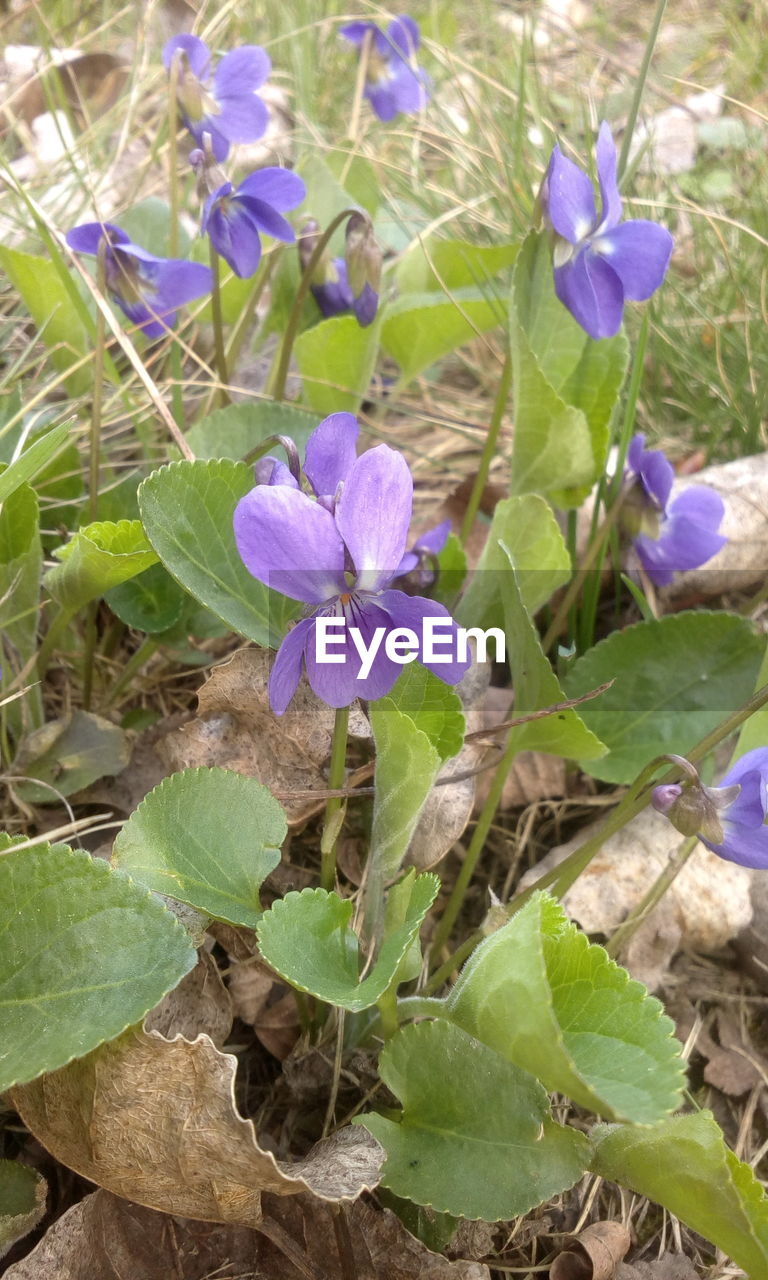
(210,176)
(362,254)
(693,809)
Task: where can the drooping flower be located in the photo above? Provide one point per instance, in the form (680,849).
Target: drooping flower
(599,261)
(669,536)
(338,552)
(223,103)
(394,83)
(147,289)
(345,284)
(236,219)
(733,816)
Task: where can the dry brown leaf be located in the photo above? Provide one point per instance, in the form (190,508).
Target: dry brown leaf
(266,1004)
(107,1238)
(594,1254)
(200,1002)
(733,1065)
(670,1266)
(155,1120)
(236,729)
(17,1223)
(532,776)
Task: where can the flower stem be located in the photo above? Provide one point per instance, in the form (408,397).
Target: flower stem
(94,462)
(280,376)
(622,935)
(489,448)
(637,97)
(334,808)
(218,326)
(577,581)
(177,397)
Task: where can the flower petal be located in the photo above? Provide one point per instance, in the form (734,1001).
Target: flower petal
(272,471)
(365,306)
(592,292)
(241,71)
(331,452)
(653,469)
(88,236)
(176,282)
(266,218)
(688,536)
(605,154)
(403,33)
(281,188)
(409,88)
(756,759)
(569,198)
(382,98)
(286,669)
(235,236)
(290,543)
(198,54)
(410,611)
(748,846)
(338,684)
(241,119)
(639,253)
(356,32)
(373,515)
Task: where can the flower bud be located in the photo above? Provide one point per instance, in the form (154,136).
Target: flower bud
(363,255)
(693,809)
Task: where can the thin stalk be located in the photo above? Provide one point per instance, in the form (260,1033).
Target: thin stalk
(280,376)
(334,810)
(134,664)
(94,462)
(52,636)
(622,935)
(577,581)
(89,649)
(637,96)
(489,448)
(218,325)
(173,160)
(357,101)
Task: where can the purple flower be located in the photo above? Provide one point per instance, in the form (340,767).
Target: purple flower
(428,544)
(740,804)
(148,289)
(223,104)
(338,552)
(600,262)
(394,83)
(669,537)
(235,220)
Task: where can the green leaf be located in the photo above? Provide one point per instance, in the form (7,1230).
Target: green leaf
(232,432)
(98,557)
(33,460)
(452,566)
(675,679)
(565,385)
(536,685)
(336,359)
(187,511)
(69,754)
(433,706)
(475,1137)
(308,939)
(407,764)
(538,993)
(50,305)
(208,837)
(151,602)
(754,731)
(529,530)
(421,328)
(148,224)
(85,954)
(23,1193)
(21,563)
(430,264)
(685,1165)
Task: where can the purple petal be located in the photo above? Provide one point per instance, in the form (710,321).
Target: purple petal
(272,471)
(234,236)
(433,540)
(404,34)
(219,144)
(748,809)
(605,153)
(365,306)
(338,684)
(373,515)
(383,99)
(286,669)
(408,88)
(334,297)
(756,759)
(356,32)
(176,282)
(592,292)
(745,845)
(410,611)
(635,452)
(241,119)
(145,317)
(331,452)
(688,536)
(570,199)
(653,469)
(265,218)
(639,253)
(88,236)
(281,188)
(290,543)
(198,55)
(240,72)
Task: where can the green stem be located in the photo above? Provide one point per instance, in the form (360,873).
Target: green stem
(52,637)
(173,161)
(388,1014)
(489,448)
(577,581)
(218,326)
(134,664)
(89,649)
(334,811)
(94,464)
(280,376)
(637,97)
(656,892)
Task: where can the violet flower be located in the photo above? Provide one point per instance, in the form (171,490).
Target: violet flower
(393,83)
(147,289)
(223,104)
(338,552)
(236,219)
(669,537)
(740,806)
(599,261)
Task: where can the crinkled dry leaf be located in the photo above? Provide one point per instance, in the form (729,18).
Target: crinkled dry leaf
(200,1002)
(594,1254)
(734,1064)
(162,1129)
(237,730)
(23,1196)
